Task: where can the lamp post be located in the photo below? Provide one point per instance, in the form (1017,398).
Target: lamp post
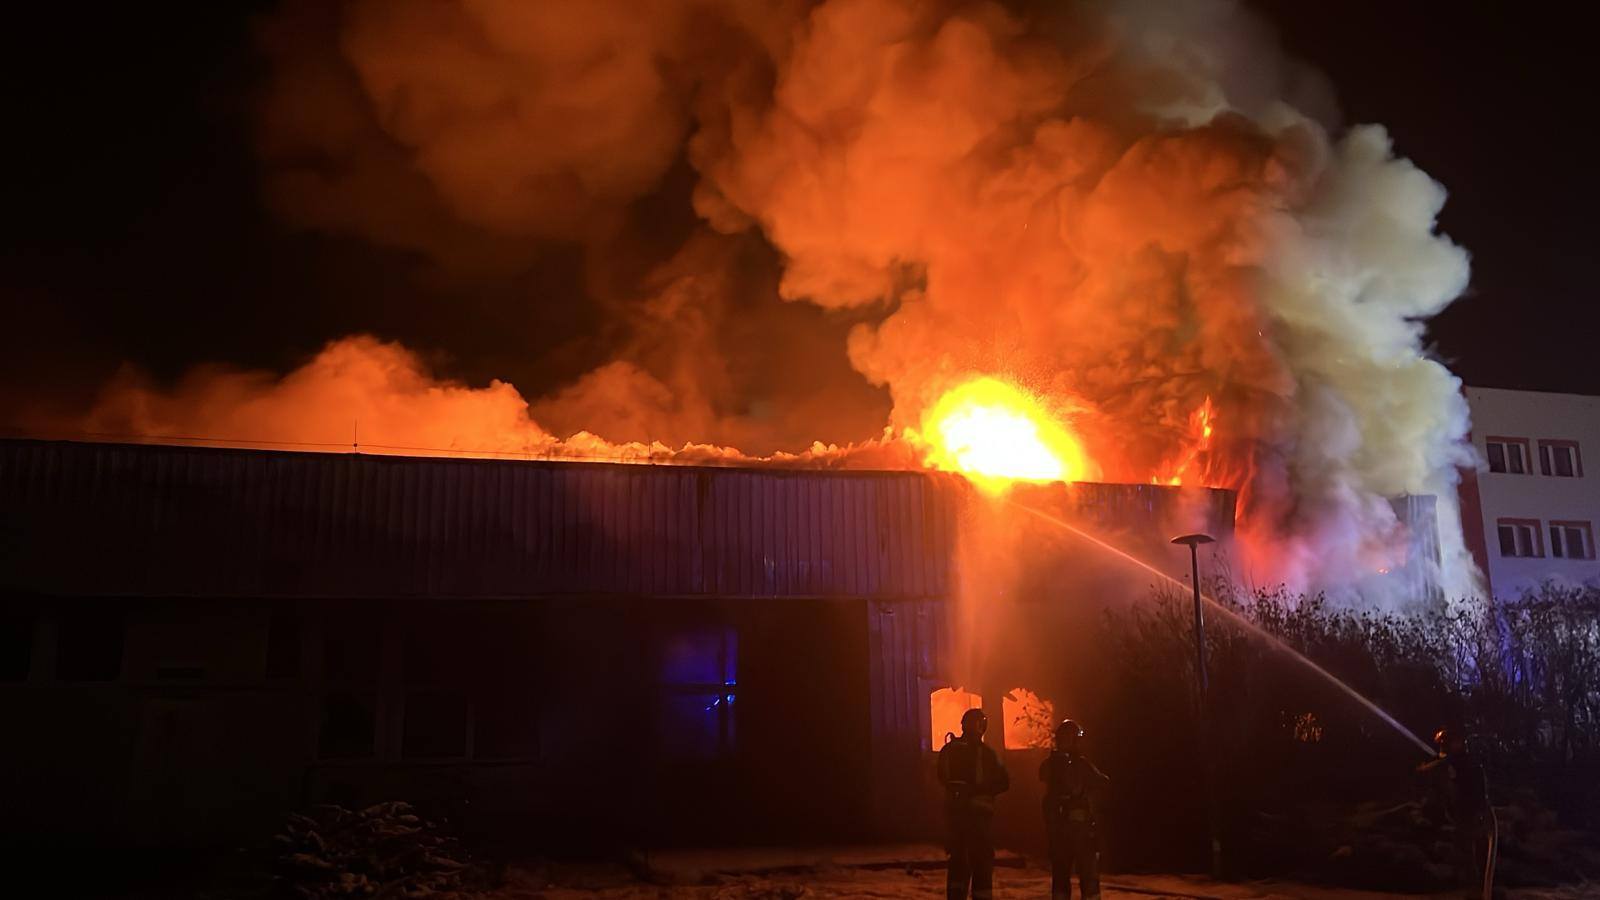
(1193,542)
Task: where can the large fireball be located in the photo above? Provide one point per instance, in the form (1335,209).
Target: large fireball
(995,434)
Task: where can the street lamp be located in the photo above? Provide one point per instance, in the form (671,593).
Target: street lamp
(1193,542)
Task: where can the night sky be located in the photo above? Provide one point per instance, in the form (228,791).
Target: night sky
(136,232)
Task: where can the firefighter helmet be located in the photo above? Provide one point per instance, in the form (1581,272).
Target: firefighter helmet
(1068,729)
(974,722)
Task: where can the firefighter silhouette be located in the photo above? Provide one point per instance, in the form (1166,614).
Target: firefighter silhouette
(1071,787)
(1460,797)
(972,776)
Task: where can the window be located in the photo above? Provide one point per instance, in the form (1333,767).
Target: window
(436,724)
(505,722)
(350,680)
(507,697)
(350,652)
(699,676)
(16,646)
(1572,540)
(1520,537)
(1560,459)
(1508,455)
(347,725)
(283,645)
(1030,720)
(946,706)
(471,687)
(436,717)
(90,646)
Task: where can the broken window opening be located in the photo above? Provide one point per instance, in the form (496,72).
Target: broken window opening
(1030,720)
(946,706)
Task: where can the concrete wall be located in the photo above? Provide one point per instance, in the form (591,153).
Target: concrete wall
(1536,416)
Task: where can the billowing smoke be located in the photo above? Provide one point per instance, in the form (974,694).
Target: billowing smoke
(1136,209)
(363,394)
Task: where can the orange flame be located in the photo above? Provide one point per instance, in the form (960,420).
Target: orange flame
(995,434)
(1197,444)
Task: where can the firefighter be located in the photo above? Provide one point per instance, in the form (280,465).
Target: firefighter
(1071,787)
(1460,789)
(972,777)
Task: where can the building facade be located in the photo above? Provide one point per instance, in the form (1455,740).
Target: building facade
(195,640)
(1530,510)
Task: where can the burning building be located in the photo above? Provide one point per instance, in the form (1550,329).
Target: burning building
(786,229)
(929,310)
(198,638)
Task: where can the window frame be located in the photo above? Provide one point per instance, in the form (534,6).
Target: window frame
(1547,457)
(518,682)
(1535,526)
(22,624)
(70,627)
(419,679)
(1521,442)
(1586,529)
(360,687)
(291,648)
(725,692)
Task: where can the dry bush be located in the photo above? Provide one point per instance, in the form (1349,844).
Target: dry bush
(1521,676)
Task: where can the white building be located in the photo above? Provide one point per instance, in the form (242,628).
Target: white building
(1529,515)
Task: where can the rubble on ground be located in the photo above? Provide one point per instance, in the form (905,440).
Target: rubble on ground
(385,850)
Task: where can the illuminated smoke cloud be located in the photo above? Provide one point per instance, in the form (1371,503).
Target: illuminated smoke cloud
(1134,209)
(1177,249)
(378,397)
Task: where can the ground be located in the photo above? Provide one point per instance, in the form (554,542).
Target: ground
(832,882)
(881,873)
(856,873)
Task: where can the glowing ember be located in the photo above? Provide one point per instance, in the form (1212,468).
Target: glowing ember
(995,434)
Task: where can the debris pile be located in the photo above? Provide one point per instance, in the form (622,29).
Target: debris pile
(384,850)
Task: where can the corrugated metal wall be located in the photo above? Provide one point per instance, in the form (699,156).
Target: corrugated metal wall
(107,520)
(909,643)
(116,520)
(1116,506)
